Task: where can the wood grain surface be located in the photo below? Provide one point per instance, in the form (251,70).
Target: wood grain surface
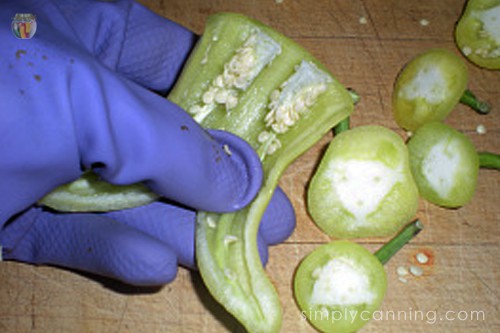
(458,291)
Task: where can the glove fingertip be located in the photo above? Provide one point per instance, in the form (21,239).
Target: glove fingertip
(279,220)
(244,178)
(263,250)
(90,243)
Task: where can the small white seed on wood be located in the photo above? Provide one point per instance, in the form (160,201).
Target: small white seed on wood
(416,271)
(422,258)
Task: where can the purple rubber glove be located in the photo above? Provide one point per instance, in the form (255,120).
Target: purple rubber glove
(138,246)
(78,95)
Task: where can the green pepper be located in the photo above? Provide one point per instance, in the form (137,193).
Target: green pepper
(429,87)
(339,285)
(363,186)
(445,164)
(477,33)
(90,194)
(288,103)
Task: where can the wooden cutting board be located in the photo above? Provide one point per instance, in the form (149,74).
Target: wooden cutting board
(365,44)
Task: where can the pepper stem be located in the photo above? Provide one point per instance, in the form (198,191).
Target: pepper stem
(345,124)
(354,95)
(469,99)
(342,126)
(397,242)
(489,160)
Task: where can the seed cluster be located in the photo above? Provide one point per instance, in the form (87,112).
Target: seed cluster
(248,61)
(290,101)
(287,103)
(490,29)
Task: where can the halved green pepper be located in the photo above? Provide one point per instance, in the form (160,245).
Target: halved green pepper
(429,87)
(341,284)
(363,186)
(477,33)
(283,102)
(445,164)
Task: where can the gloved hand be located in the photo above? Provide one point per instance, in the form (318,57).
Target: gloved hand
(78,95)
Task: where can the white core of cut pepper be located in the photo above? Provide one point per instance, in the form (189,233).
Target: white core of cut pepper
(440,166)
(362,185)
(491,23)
(340,282)
(429,84)
(293,99)
(249,60)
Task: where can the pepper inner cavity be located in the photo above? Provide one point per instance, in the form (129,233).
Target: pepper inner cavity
(248,61)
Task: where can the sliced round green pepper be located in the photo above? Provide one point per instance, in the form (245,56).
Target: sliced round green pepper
(428,88)
(336,280)
(444,163)
(477,33)
(363,186)
(341,284)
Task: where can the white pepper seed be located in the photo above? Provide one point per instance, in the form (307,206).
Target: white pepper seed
(402,271)
(481,129)
(422,258)
(416,271)
(402,279)
(227,150)
(424,22)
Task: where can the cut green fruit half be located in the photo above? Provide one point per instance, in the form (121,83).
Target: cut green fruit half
(477,33)
(282,110)
(428,88)
(90,194)
(246,78)
(363,186)
(445,165)
(339,286)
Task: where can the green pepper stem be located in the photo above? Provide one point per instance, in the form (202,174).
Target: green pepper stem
(489,160)
(354,95)
(397,242)
(342,126)
(469,99)
(345,124)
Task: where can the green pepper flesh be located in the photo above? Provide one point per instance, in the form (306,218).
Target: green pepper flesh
(292,81)
(339,285)
(477,33)
(444,163)
(363,186)
(428,88)
(91,194)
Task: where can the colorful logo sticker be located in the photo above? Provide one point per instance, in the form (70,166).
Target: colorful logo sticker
(24,26)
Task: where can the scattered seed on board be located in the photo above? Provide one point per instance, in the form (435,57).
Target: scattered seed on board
(422,258)
(402,271)
(416,271)
(402,279)
(481,129)
(424,22)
